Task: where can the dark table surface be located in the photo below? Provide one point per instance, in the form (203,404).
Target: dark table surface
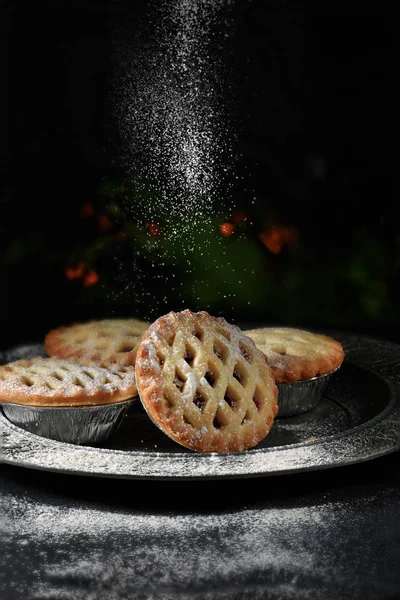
(321,534)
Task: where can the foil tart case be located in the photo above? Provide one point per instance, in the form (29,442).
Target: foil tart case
(85,425)
(300,396)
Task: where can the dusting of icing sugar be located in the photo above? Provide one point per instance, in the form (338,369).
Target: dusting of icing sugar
(189,389)
(90,552)
(276,360)
(151,366)
(54,379)
(152,355)
(43,453)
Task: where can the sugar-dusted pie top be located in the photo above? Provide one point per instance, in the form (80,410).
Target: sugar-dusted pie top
(296,354)
(104,342)
(204,383)
(59,382)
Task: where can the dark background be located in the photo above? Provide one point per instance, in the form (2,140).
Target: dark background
(317,100)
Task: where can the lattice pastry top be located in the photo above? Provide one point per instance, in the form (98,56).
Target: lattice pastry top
(58,382)
(105,342)
(204,383)
(296,354)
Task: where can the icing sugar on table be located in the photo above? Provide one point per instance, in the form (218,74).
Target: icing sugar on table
(83,551)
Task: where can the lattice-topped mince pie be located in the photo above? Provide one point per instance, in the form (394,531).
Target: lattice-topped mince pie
(204,383)
(62,400)
(58,382)
(104,342)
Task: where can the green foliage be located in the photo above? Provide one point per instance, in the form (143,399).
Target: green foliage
(234,275)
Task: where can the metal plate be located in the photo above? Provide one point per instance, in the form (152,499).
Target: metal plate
(357,419)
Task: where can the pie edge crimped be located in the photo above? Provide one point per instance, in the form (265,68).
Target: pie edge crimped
(150,383)
(69,395)
(55,346)
(289,368)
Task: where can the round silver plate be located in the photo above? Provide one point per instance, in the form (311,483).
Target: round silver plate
(357,419)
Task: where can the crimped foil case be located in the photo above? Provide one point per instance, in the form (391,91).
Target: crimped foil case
(75,425)
(300,396)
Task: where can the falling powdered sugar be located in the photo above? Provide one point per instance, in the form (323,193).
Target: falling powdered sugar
(169,83)
(174,109)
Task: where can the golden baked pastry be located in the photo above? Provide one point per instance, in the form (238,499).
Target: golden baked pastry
(296,354)
(58,382)
(105,342)
(204,383)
